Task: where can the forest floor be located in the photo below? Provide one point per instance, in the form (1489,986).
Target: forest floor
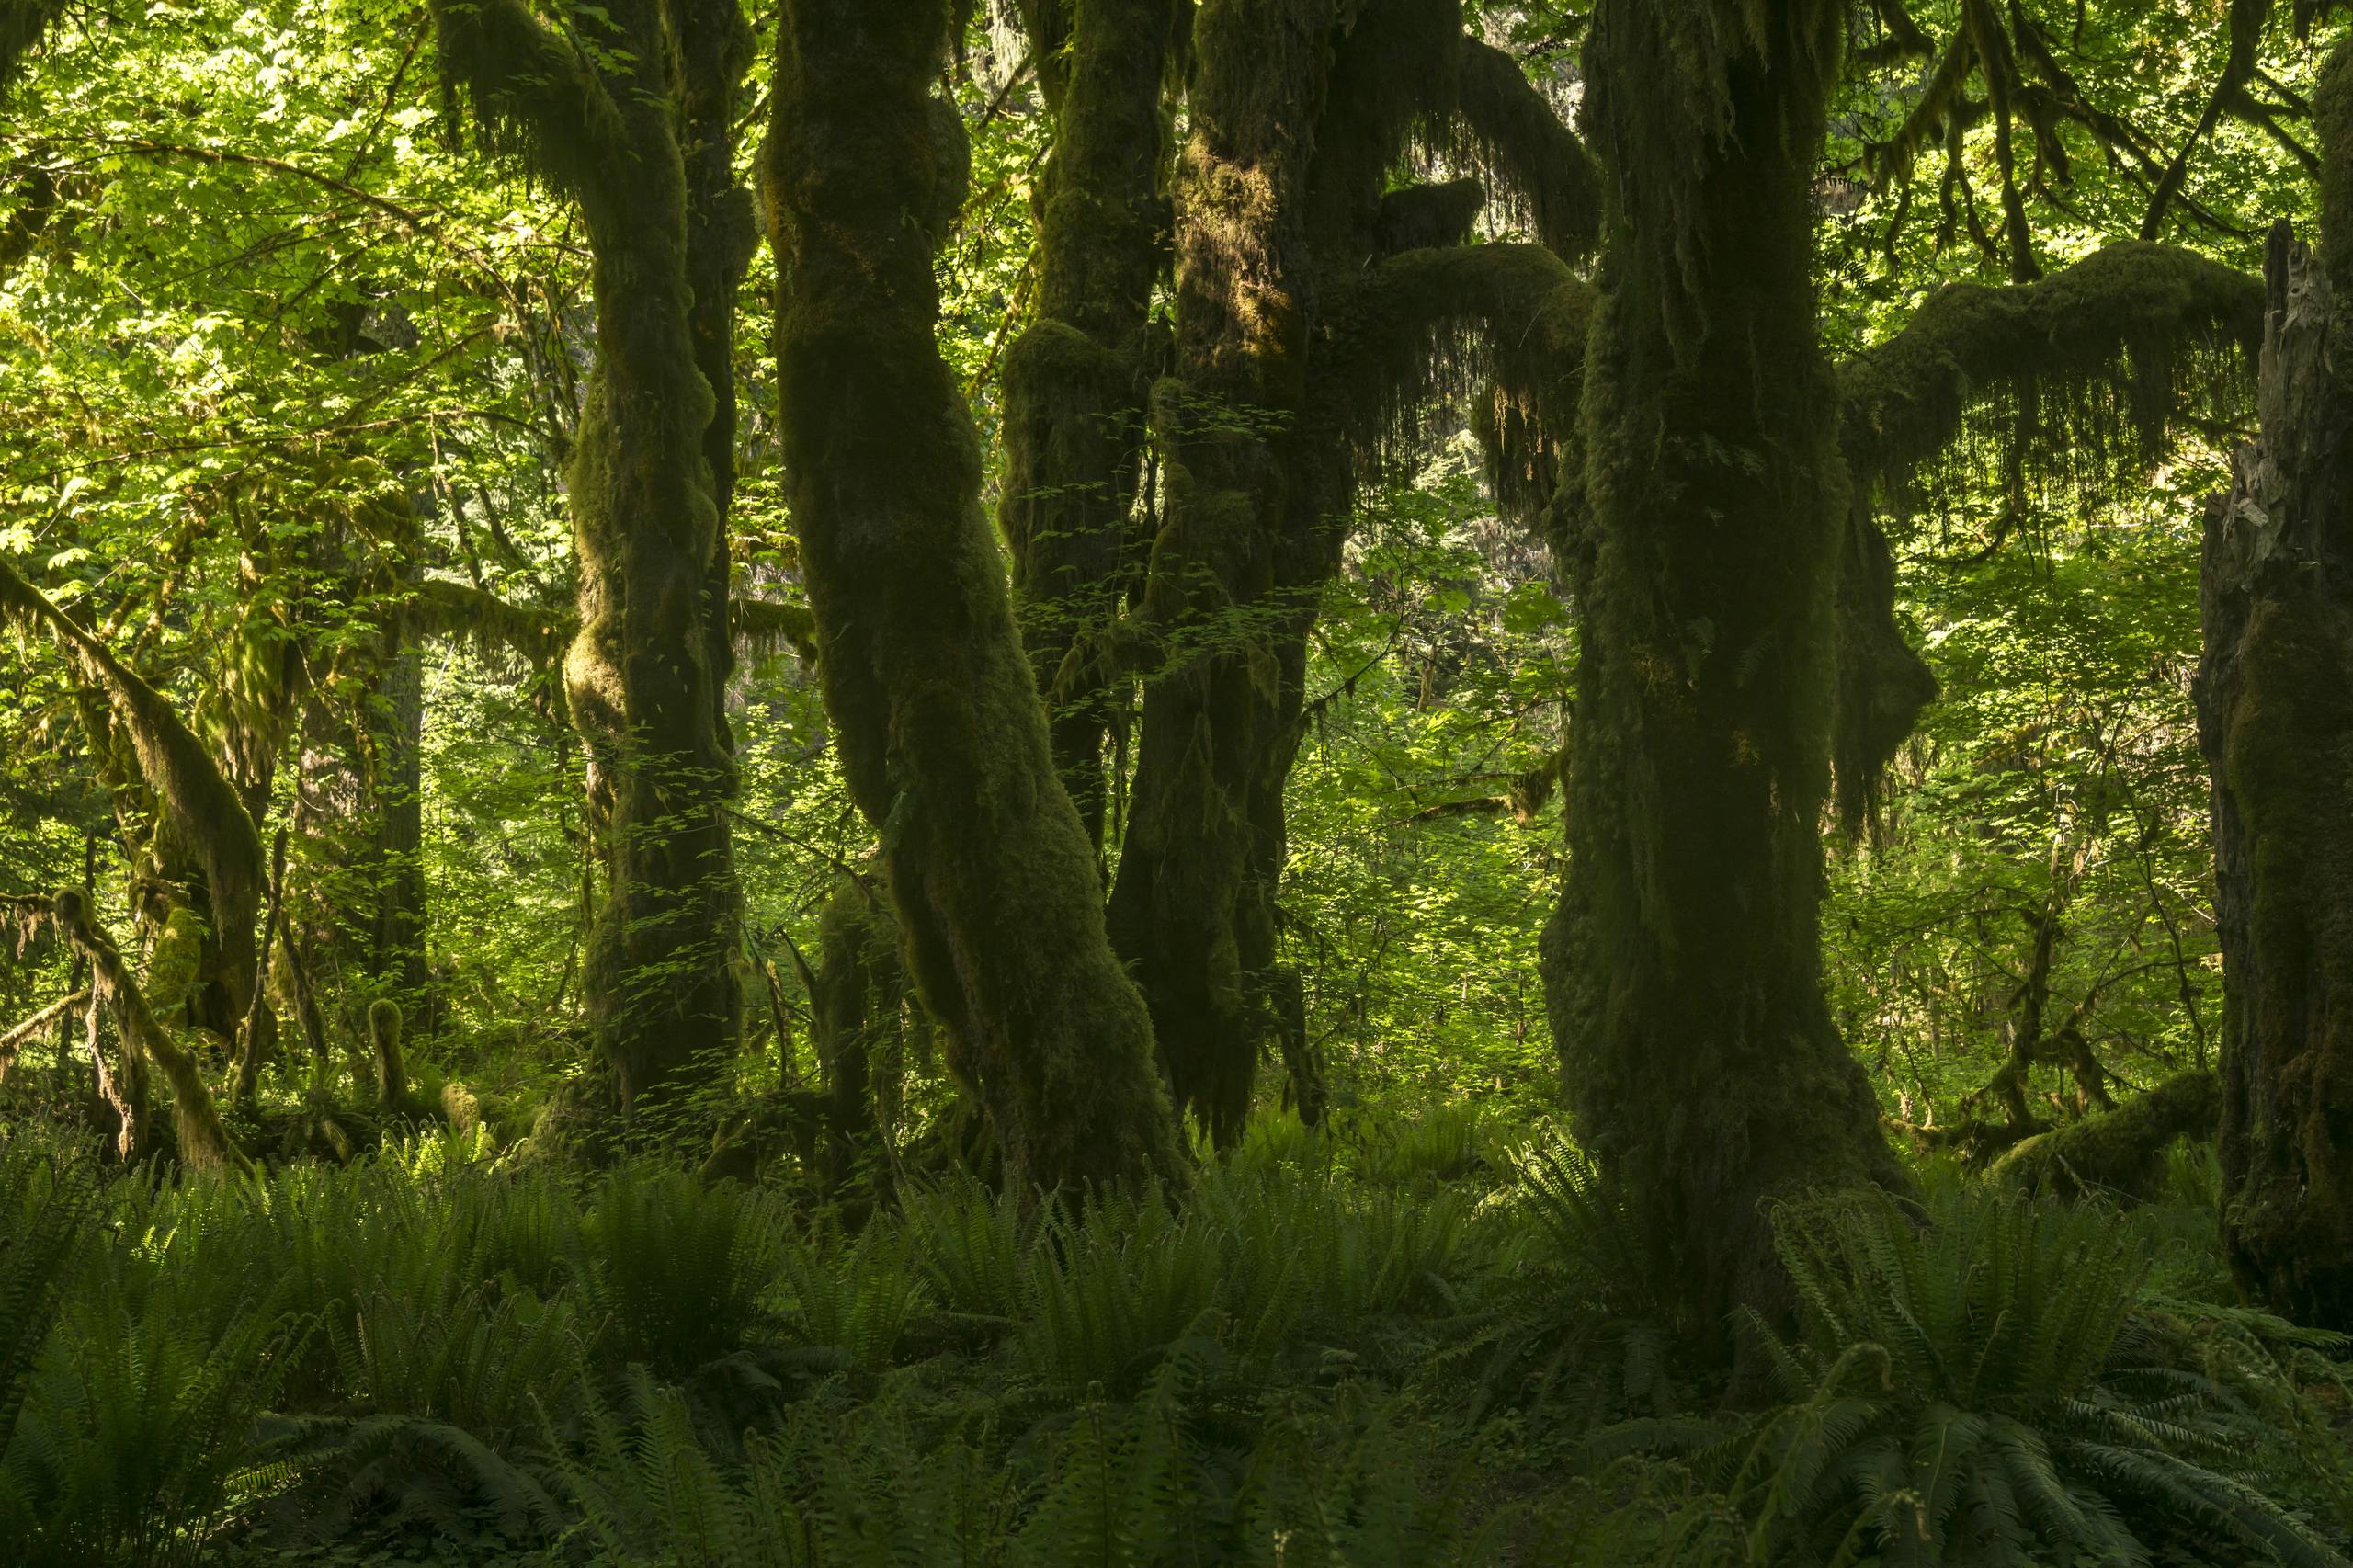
(1407,1340)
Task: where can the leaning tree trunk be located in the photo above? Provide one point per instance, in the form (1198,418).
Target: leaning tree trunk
(629,128)
(1682,969)
(2274,719)
(941,732)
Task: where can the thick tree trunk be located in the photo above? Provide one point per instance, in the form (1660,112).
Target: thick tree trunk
(1682,969)
(1192,907)
(941,732)
(2274,719)
(1075,381)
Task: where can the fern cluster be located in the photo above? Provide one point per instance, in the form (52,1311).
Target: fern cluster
(1321,1353)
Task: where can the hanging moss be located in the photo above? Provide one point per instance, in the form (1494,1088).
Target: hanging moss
(2079,377)
(1429,328)
(1882,685)
(762,628)
(204,1143)
(498,628)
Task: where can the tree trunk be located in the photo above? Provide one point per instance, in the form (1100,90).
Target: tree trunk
(1682,969)
(1075,381)
(2274,719)
(1191,908)
(942,736)
(639,133)
(398,948)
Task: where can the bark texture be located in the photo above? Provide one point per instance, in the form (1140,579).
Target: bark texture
(2274,719)
(942,735)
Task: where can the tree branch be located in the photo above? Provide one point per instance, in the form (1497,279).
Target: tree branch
(1511,134)
(533,93)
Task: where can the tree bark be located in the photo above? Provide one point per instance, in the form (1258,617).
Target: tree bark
(942,735)
(2275,721)
(1682,969)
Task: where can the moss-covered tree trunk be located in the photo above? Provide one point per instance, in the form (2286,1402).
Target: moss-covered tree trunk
(1075,381)
(2274,719)
(1191,908)
(636,129)
(1682,969)
(942,735)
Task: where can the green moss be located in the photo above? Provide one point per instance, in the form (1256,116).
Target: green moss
(2120,1151)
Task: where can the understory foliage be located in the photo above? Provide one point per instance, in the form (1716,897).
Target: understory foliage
(1316,1355)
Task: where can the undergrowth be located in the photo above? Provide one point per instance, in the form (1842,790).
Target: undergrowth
(1422,1346)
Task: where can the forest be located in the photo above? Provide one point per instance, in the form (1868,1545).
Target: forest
(1309,783)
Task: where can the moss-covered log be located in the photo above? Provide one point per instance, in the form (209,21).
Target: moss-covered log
(1075,381)
(1682,969)
(638,130)
(2275,721)
(2116,1153)
(942,734)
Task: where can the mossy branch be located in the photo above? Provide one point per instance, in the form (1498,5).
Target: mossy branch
(14,1039)
(497,626)
(761,627)
(1534,164)
(1429,325)
(2100,360)
(532,93)
(203,1142)
(191,790)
